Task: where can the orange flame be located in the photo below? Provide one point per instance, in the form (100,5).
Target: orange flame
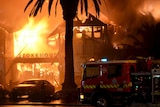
(31,38)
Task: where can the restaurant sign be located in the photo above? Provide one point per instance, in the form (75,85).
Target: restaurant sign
(37,55)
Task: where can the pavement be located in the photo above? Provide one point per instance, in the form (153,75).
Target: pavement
(70,99)
(60,102)
(73,99)
(72,103)
(144,105)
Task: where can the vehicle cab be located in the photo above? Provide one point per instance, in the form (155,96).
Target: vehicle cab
(106,79)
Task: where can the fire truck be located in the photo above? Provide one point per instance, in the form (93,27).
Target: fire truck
(120,82)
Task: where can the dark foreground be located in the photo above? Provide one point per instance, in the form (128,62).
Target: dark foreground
(61,103)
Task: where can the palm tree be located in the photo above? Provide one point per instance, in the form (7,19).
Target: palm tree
(69,12)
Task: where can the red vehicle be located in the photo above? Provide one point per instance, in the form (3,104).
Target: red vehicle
(118,82)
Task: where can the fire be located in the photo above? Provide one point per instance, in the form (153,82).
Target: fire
(31,42)
(30,37)
(150,6)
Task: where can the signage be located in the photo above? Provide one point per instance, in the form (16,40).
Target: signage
(37,55)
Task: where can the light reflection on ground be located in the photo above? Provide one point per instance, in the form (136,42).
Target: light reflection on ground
(55,103)
(27,102)
(43,106)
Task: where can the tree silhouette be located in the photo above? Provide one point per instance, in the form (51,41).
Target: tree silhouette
(149,30)
(69,12)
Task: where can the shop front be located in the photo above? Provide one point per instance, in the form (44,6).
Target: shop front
(30,55)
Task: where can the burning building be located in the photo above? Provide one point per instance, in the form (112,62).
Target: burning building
(28,51)
(89,41)
(28,54)
(32,52)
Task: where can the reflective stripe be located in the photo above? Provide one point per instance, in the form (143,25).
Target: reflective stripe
(127,85)
(108,86)
(89,86)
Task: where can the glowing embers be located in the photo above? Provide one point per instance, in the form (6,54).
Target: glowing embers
(88,31)
(45,71)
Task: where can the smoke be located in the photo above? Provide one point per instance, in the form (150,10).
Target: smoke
(130,13)
(127,13)
(139,18)
(13,17)
(124,12)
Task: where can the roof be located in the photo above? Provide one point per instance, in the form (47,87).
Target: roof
(90,21)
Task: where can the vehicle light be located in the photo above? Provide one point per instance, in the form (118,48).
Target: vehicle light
(81,97)
(82,83)
(24,96)
(91,59)
(104,60)
(130,84)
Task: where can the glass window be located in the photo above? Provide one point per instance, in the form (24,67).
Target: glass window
(97,31)
(91,71)
(132,69)
(114,70)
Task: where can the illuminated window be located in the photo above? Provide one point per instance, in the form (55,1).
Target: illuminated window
(92,71)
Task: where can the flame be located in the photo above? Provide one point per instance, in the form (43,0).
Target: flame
(31,37)
(152,7)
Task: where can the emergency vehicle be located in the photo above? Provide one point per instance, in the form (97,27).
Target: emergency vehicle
(119,82)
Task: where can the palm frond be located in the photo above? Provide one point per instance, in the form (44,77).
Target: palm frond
(86,6)
(96,4)
(41,4)
(49,6)
(37,7)
(28,5)
(81,6)
(34,8)
(56,7)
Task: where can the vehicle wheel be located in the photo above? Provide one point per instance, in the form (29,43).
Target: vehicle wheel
(101,102)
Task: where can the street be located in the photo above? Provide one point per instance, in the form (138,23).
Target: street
(44,106)
(67,105)
(59,103)
(56,103)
